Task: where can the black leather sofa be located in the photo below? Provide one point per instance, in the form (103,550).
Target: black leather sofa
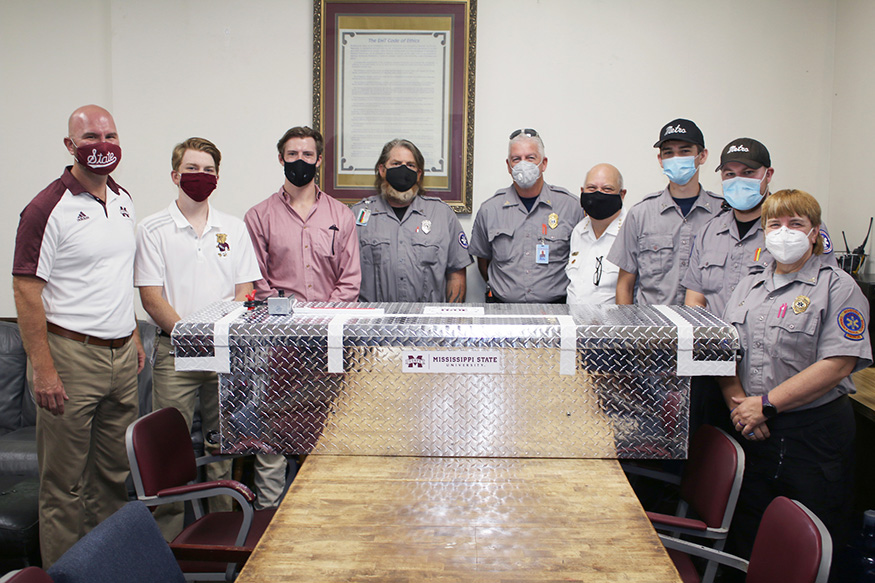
(19,475)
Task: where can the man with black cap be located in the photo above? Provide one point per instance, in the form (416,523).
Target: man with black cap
(657,238)
(731,245)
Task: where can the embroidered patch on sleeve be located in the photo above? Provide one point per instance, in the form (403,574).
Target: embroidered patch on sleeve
(852,324)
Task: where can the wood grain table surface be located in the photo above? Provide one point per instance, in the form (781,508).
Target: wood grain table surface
(404,519)
(864,399)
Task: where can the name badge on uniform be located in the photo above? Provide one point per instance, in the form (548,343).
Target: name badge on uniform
(426,226)
(363,216)
(542,254)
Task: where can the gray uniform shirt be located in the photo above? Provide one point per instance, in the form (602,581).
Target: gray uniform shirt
(720,259)
(819,313)
(656,242)
(408,260)
(507,235)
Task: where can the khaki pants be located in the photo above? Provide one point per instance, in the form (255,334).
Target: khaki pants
(182,390)
(82,459)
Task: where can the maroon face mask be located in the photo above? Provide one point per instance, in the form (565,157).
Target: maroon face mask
(198,185)
(99,158)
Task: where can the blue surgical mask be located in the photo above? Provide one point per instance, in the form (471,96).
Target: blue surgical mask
(679,169)
(743,193)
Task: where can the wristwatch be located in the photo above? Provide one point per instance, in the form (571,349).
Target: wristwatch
(769,410)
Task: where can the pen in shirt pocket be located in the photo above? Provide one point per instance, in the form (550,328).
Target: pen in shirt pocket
(333,229)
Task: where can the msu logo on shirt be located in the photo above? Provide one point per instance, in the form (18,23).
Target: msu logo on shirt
(222,244)
(124,212)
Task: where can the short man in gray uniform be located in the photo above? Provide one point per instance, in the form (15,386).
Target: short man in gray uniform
(657,238)
(732,245)
(413,248)
(728,248)
(522,235)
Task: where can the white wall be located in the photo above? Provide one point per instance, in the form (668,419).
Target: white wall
(597,78)
(852,199)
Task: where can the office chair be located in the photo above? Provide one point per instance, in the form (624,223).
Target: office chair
(163,468)
(127,547)
(27,575)
(792,546)
(709,486)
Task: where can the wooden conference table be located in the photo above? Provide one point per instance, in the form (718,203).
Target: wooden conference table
(394,519)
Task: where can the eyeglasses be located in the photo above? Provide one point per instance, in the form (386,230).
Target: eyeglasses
(528,132)
(597,276)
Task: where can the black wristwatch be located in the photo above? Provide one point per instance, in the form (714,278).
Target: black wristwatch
(769,410)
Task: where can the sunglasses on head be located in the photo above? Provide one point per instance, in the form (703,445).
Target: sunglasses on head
(528,132)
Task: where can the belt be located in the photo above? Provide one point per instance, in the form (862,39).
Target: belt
(114,343)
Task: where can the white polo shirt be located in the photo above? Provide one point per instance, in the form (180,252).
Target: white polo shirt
(583,261)
(194,271)
(83,249)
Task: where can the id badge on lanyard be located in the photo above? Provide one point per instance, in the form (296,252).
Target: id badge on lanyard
(542,250)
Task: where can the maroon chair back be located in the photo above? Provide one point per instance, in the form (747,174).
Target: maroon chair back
(791,546)
(30,575)
(162,444)
(706,485)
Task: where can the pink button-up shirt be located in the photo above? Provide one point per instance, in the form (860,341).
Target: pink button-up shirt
(316,258)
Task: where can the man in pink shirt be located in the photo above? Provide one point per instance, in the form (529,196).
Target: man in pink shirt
(305,240)
(306,245)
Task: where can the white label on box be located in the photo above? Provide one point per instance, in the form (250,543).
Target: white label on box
(447,361)
(453,311)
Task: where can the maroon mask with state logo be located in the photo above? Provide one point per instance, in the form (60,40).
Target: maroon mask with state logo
(100,158)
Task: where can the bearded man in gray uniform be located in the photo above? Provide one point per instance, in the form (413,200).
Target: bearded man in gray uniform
(413,248)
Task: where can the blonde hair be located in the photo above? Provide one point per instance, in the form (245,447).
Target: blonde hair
(197,144)
(792,203)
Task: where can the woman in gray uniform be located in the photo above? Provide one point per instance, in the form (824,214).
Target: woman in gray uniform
(802,325)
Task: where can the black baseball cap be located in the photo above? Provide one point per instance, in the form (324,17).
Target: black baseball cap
(683,130)
(748,151)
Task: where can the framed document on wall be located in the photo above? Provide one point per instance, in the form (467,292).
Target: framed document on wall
(395,69)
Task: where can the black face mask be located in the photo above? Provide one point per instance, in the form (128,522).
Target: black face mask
(401,178)
(299,172)
(599,205)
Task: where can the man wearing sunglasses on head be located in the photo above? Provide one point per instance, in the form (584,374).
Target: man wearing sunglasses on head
(593,279)
(521,235)
(657,238)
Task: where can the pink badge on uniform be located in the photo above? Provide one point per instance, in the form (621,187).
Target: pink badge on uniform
(852,323)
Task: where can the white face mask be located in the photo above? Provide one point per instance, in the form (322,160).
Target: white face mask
(788,245)
(525,174)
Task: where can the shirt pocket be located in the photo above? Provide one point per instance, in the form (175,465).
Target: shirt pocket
(374,250)
(559,240)
(501,241)
(325,242)
(713,270)
(795,338)
(655,255)
(426,253)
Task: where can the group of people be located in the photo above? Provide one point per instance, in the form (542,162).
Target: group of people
(761,261)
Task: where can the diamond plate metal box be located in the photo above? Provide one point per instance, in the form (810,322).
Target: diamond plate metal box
(490,380)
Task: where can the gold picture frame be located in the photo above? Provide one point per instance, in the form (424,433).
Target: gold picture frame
(395,69)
